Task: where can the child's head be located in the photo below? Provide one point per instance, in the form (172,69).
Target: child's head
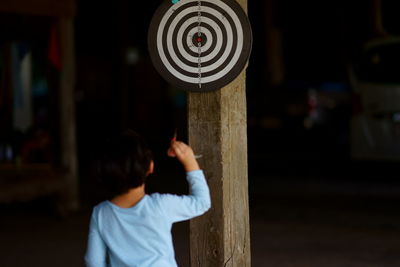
(124,163)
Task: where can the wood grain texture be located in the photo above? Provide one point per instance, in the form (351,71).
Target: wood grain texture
(218,131)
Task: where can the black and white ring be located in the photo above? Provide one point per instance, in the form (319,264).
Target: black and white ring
(225,44)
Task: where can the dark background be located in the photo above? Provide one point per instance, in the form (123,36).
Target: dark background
(309,198)
(317,43)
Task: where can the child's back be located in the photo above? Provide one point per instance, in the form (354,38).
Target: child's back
(140,234)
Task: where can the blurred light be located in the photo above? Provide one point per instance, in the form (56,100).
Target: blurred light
(396,117)
(132,56)
(9,153)
(2,153)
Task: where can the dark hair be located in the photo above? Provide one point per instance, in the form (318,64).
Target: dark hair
(123,164)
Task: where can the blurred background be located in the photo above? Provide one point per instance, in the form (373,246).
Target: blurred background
(323,100)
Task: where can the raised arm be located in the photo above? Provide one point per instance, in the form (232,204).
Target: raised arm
(198,201)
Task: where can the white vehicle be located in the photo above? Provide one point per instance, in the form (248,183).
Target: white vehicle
(375,124)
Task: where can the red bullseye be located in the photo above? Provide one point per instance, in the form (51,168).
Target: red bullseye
(199,39)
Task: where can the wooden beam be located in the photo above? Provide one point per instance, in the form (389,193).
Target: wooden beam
(66,8)
(217,130)
(69,159)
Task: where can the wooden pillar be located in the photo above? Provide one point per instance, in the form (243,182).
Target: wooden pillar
(217,130)
(67,113)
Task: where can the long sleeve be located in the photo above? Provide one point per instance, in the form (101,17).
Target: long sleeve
(96,248)
(180,208)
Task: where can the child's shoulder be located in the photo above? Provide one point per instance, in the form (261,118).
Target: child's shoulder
(161,196)
(162,199)
(101,206)
(157,197)
(166,200)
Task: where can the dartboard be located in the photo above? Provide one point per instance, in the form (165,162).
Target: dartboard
(200,45)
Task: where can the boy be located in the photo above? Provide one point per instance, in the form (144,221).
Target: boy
(133,228)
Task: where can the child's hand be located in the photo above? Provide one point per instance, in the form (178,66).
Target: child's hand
(184,154)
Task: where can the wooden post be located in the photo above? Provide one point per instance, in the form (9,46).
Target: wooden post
(217,130)
(67,113)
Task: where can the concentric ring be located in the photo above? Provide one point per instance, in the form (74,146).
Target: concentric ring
(216,54)
(225,50)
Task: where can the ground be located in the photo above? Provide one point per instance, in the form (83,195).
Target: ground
(304,219)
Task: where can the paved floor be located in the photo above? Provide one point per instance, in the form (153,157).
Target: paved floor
(296,221)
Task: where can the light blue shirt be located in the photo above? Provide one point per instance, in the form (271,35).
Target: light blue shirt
(140,236)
